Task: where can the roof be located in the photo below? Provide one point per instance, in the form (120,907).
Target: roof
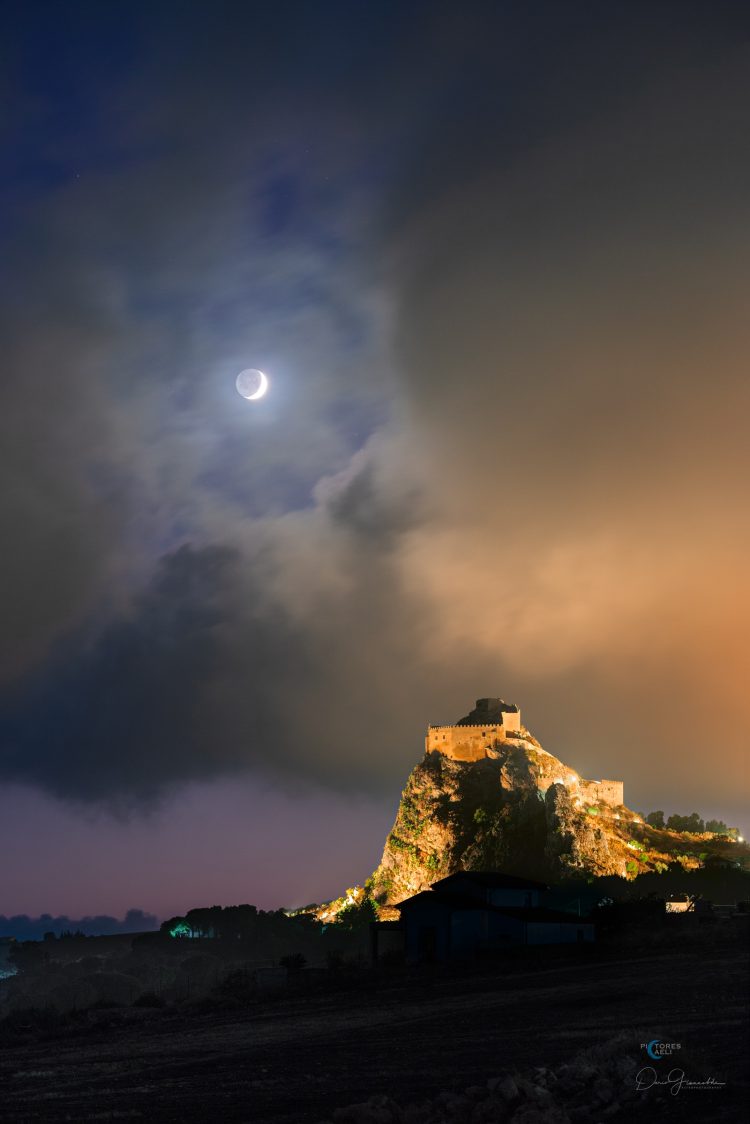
(444,898)
(453,901)
(492,880)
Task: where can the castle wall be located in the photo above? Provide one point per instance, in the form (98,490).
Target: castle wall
(464,743)
(603,792)
(512,721)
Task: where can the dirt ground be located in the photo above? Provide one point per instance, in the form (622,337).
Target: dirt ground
(294,1059)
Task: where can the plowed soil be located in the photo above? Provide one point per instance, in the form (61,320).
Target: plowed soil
(294,1059)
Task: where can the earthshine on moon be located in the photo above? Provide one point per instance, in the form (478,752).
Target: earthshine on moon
(251,384)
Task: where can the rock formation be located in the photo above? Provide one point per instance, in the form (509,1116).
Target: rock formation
(500,801)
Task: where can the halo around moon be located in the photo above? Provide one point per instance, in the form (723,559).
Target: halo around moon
(251,384)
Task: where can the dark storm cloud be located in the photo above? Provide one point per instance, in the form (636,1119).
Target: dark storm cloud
(131,711)
(210,673)
(492,257)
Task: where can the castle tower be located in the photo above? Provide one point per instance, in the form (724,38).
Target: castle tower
(489,724)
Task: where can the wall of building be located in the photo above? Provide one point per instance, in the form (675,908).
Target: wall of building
(555,932)
(515,898)
(504,929)
(426,931)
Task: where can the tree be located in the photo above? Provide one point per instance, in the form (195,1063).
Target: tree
(692,823)
(358,914)
(718,827)
(655,819)
(175,927)
(199,920)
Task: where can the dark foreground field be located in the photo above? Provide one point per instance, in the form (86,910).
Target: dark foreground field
(296,1059)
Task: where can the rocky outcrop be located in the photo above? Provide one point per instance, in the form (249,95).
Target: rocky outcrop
(521,810)
(457,815)
(518,809)
(581,843)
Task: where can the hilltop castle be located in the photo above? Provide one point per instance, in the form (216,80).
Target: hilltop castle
(494,723)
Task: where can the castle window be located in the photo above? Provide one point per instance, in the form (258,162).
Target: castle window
(483,733)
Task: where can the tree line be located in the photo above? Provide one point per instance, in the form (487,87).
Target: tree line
(692,823)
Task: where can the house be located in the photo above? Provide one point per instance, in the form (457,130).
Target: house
(468,913)
(679,903)
(721,862)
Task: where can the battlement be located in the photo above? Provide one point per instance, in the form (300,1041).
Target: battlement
(470,726)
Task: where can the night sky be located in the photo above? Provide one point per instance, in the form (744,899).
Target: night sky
(494,258)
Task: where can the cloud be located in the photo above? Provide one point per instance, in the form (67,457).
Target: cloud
(25,928)
(503,450)
(275,658)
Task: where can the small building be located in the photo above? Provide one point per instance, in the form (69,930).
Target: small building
(721,862)
(468,913)
(679,903)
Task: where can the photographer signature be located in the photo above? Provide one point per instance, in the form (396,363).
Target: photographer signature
(675,1079)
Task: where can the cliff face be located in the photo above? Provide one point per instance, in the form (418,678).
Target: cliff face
(520,810)
(455,815)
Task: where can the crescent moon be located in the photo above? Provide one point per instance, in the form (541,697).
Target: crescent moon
(251,379)
(650,1049)
(262,388)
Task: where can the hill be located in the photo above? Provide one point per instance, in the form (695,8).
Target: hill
(486,795)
